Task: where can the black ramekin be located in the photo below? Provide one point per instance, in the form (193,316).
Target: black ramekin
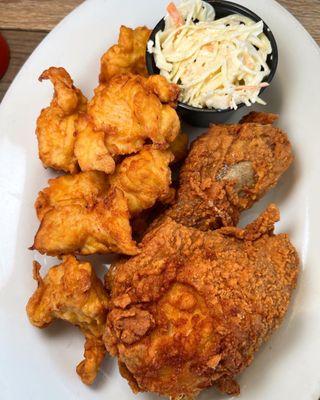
(205,116)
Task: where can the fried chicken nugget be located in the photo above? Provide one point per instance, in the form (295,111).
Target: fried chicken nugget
(80,189)
(227,170)
(193,307)
(101,226)
(131,109)
(129,55)
(72,292)
(179,147)
(56,123)
(144,178)
(90,148)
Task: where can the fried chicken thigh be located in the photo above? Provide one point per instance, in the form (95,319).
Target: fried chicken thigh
(56,123)
(128,56)
(132,110)
(227,170)
(193,307)
(72,292)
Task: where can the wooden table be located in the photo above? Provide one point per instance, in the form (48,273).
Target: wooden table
(24,23)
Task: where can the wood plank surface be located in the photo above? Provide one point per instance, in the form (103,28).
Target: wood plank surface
(34,14)
(24,23)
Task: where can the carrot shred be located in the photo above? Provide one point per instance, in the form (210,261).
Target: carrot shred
(175,14)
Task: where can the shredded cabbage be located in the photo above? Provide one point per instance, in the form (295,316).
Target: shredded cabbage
(216,63)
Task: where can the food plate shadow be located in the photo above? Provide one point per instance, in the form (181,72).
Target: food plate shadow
(109,364)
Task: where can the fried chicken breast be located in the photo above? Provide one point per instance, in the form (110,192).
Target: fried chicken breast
(128,56)
(72,292)
(132,110)
(56,123)
(227,170)
(193,307)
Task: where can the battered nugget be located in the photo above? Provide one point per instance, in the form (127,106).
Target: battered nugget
(72,292)
(56,123)
(128,56)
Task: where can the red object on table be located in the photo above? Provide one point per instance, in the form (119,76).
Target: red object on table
(4,56)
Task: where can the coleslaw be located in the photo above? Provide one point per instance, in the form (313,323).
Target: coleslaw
(217,63)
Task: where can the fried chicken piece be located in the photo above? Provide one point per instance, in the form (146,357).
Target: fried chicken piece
(90,148)
(227,170)
(72,292)
(128,56)
(101,226)
(81,189)
(56,123)
(144,178)
(179,147)
(131,110)
(260,118)
(193,307)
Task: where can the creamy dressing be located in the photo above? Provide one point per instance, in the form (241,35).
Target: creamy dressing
(216,63)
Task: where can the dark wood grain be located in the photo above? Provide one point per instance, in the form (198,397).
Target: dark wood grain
(25,22)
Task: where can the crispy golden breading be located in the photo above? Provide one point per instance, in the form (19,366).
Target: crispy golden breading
(90,148)
(144,178)
(259,118)
(99,227)
(130,110)
(193,307)
(227,170)
(179,147)
(129,55)
(81,189)
(56,123)
(72,292)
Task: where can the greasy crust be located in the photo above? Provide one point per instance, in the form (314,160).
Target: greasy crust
(144,178)
(90,148)
(79,189)
(193,307)
(56,123)
(131,109)
(101,227)
(179,147)
(72,292)
(259,118)
(227,170)
(128,56)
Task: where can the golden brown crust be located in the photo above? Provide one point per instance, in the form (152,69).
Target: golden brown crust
(195,306)
(128,56)
(144,178)
(131,109)
(259,118)
(179,147)
(227,170)
(72,292)
(102,227)
(90,148)
(80,189)
(56,123)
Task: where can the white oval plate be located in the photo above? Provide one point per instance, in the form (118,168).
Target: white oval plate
(40,365)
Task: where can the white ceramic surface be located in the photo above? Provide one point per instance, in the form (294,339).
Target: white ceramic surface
(40,365)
